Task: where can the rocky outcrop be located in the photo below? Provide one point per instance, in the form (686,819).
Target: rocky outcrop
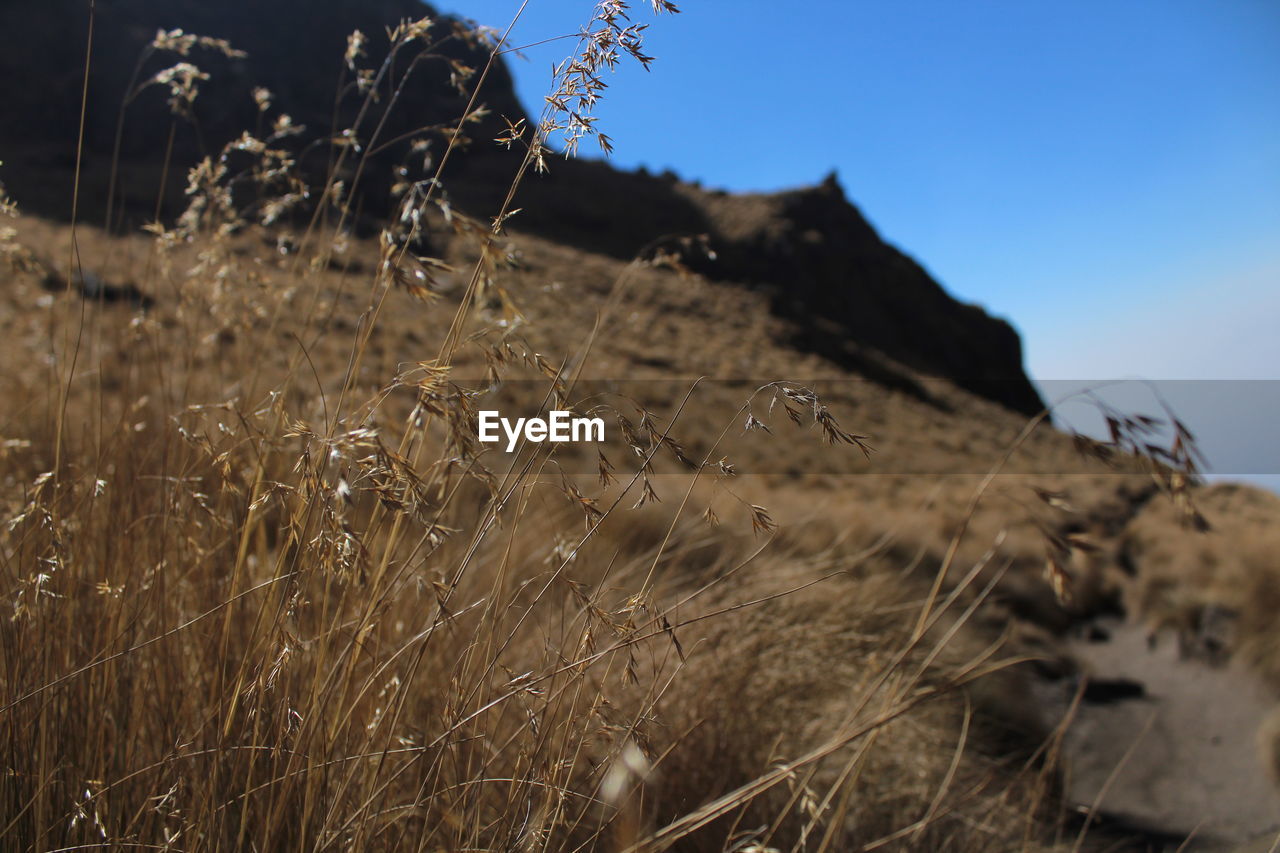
(292,48)
(821,260)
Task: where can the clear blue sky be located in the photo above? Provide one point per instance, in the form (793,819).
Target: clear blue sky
(1104,174)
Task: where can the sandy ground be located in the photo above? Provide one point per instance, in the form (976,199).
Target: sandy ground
(1193,774)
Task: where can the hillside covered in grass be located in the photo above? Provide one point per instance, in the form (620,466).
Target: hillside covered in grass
(265,587)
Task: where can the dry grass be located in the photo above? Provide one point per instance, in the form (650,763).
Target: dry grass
(1217,589)
(265,591)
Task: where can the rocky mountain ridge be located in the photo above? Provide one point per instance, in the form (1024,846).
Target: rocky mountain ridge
(810,249)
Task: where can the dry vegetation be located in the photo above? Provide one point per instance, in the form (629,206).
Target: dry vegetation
(264,590)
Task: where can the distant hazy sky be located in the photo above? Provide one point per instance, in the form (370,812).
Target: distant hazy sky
(1103,173)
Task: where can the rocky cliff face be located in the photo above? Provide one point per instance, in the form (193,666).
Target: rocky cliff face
(293,48)
(820,259)
(855,297)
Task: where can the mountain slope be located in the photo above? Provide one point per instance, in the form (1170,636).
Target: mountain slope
(823,265)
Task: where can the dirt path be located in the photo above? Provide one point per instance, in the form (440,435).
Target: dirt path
(1195,767)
